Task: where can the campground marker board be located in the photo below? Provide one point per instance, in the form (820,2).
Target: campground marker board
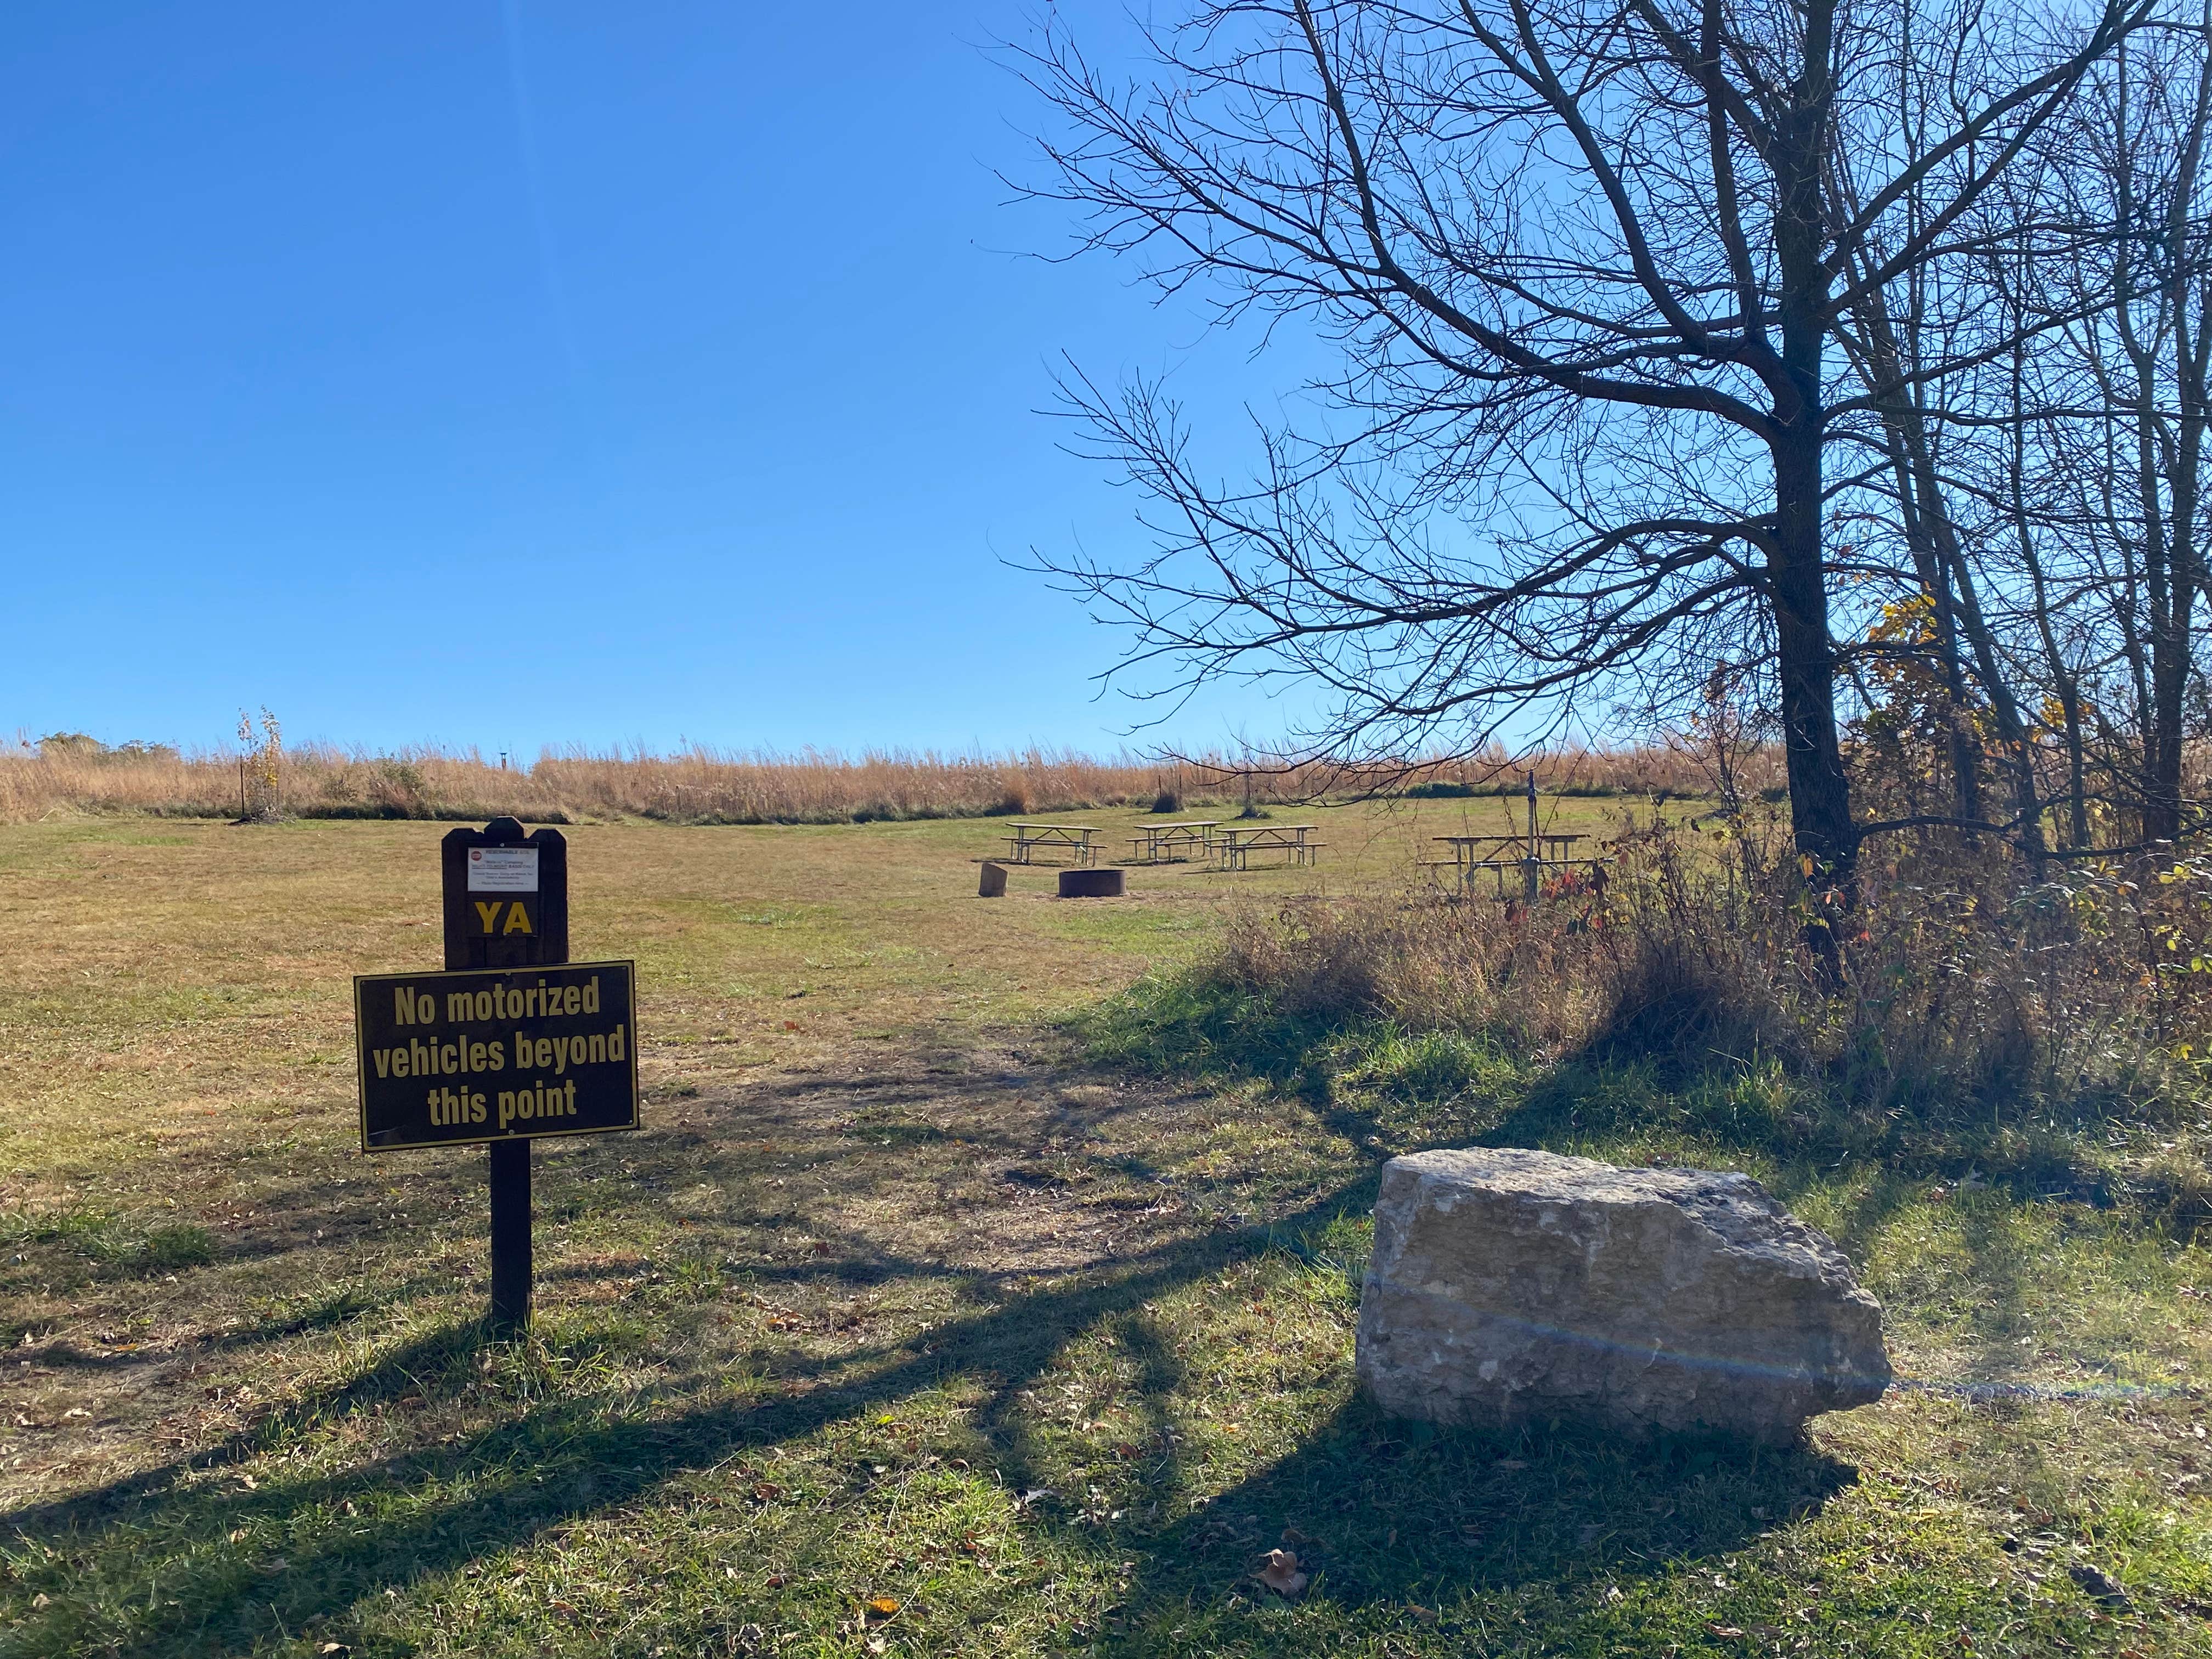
(512,1042)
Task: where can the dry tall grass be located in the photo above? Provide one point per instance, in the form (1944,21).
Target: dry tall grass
(62,775)
(2054,1032)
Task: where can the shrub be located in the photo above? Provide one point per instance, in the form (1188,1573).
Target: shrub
(2051,1032)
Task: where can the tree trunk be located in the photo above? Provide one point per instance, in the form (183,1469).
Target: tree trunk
(1965,614)
(1820,794)
(2169,683)
(1796,573)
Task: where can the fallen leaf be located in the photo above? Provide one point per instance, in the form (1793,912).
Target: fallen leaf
(778,1580)
(41,1600)
(76,1411)
(1508,1463)
(767,1490)
(1724,1629)
(1281,1574)
(883,1607)
(334,1647)
(1426,1615)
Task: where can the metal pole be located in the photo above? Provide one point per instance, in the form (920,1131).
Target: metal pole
(510,1236)
(1529,869)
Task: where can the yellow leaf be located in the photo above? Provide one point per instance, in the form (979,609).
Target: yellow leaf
(883,1607)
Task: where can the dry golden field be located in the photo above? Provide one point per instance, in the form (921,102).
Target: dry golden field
(61,777)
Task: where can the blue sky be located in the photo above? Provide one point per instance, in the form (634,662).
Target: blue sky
(553,372)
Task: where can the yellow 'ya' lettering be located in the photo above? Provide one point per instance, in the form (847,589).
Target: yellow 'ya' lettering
(489,912)
(518,919)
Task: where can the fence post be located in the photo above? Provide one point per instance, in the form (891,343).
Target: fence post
(1530,866)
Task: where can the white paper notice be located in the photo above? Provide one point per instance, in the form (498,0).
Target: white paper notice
(503,869)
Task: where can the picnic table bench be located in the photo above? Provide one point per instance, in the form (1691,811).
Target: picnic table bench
(1523,858)
(1156,843)
(1079,839)
(1234,846)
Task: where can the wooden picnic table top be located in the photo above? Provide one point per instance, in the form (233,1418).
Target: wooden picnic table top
(1517,839)
(1186,823)
(1069,829)
(1270,829)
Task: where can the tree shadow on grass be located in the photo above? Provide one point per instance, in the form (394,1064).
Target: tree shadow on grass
(397,1521)
(1383,1511)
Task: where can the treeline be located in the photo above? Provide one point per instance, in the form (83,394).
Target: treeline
(73,774)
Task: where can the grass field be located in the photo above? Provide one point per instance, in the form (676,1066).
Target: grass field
(908,1325)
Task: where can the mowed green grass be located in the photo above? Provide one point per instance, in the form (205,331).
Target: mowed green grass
(903,1328)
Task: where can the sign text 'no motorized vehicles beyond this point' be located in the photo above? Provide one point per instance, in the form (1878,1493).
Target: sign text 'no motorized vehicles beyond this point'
(496,1054)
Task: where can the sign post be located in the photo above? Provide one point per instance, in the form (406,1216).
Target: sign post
(514,889)
(511,1042)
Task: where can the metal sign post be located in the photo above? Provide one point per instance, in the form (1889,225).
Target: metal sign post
(511,1042)
(506,906)
(1530,868)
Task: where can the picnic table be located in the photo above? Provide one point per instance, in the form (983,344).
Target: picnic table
(1526,858)
(1155,843)
(1079,839)
(1234,845)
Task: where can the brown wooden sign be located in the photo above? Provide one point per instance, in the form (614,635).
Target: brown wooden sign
(496,1053)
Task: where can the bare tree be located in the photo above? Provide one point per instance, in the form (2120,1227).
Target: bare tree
(1589,262)
(2071,459)
(2141,357)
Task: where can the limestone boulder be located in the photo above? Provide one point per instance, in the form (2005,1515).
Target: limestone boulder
(1510,1286)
